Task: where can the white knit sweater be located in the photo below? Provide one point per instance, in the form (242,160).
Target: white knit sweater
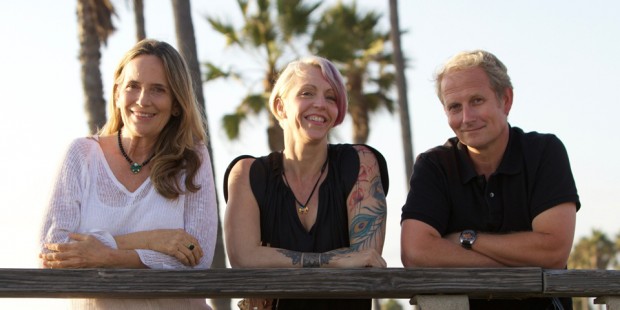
(87,198)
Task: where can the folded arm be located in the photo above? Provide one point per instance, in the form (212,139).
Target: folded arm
(547,245)
(366,209)
(170,248)
(61,247)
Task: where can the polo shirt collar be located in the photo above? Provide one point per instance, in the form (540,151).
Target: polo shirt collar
(511,162)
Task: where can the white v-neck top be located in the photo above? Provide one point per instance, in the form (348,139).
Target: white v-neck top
(87,198)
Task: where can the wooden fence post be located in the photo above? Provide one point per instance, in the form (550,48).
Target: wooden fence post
(612,302)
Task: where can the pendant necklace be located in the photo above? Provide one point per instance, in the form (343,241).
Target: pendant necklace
(134,166)
(302,208)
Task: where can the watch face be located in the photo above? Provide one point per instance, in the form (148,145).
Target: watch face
(467,238)
(468,235)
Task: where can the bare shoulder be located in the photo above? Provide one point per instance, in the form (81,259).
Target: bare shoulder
(242,165)
(366,155)
(240,171)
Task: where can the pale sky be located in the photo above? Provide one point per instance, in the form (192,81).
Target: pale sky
(562,57)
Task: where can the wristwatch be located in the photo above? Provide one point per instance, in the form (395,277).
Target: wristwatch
(468,237)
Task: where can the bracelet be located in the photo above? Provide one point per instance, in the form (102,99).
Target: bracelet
(310,260)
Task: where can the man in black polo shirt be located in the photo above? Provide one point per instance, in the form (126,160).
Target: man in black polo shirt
(493,196)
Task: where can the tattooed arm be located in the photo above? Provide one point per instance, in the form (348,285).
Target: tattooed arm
(366,205)
(367,211)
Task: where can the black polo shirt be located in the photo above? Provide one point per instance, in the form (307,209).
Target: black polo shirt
(533,176)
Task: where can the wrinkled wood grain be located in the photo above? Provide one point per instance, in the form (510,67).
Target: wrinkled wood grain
(308,283)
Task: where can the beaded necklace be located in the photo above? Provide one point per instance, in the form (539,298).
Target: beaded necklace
(134,166)
(302,208)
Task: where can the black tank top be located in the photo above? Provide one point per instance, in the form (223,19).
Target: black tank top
(279,222)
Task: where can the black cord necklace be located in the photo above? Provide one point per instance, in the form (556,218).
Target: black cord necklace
(302,208)
(134,166)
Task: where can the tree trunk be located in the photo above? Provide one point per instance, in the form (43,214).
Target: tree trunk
(358,109)
(138,11)
(275,134)
(186,42)
(90,58)
(401,86)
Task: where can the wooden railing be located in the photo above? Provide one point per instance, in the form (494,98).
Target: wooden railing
(430,288)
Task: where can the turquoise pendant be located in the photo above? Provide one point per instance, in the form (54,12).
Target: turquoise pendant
(135,168)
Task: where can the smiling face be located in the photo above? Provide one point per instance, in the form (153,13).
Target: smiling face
(308,110)
(476,115)
(144,97)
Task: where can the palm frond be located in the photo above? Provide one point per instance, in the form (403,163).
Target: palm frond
(294,17)
(225,29)
(254,103)
(231,124)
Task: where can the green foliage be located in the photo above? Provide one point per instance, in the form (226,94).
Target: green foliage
(226,30)
(264,35)
(353,41)
(294,17)
(391,304)
(594,252)
(231,124)
(253,103)
(343,34)
(378,99)
(214,72)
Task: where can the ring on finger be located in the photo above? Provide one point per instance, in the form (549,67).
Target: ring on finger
(190,246)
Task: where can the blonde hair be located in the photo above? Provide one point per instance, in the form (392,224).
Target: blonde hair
(298,68)
(175,148)
(492,66)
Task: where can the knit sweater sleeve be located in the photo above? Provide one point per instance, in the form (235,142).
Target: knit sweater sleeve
(63,211)
(200,220)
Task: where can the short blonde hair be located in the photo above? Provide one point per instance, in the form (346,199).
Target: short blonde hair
(492,66)
(298,68)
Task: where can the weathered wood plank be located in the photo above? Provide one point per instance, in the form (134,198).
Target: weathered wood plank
(474,282)
(581,283)
(291,283)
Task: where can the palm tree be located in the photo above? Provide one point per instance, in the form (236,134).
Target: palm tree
(401,86)
(186,42)
(595,252)
(268,36)
(351,41)
(94,27)
(138,11)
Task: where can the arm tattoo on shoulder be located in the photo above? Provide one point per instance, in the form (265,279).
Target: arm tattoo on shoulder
(368,224)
